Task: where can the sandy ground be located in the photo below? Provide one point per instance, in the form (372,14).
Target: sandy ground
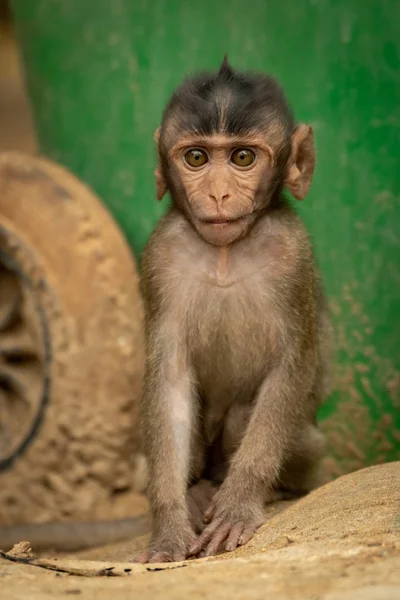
(341,542)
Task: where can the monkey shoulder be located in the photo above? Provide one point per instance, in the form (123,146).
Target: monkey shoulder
(286,250)
(166,248)
(166,244)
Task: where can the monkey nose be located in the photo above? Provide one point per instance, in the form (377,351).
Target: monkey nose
(219,199)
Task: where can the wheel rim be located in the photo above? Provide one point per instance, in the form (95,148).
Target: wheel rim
(24,361)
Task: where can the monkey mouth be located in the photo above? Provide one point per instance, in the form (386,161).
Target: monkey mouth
(223,220)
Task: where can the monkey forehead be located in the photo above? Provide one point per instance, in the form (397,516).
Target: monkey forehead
(267,136)
(221,140)
(229,102)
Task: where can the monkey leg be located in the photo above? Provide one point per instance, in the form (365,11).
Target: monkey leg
(302,471)
(234,427)
(207,471)
(224,448)
(263,460)
(199,497)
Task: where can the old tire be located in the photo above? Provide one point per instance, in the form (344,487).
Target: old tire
(71,346)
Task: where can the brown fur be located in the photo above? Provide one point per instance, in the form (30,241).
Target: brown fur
(237,335)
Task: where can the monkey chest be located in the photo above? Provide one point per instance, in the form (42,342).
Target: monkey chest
(230,341)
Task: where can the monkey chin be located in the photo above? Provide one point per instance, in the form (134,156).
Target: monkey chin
(222,234)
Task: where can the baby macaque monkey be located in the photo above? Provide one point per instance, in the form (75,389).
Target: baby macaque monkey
(237,328)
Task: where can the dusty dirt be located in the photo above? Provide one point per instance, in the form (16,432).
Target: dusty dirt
(341,542)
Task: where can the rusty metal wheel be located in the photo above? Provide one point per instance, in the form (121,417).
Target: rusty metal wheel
(71,346)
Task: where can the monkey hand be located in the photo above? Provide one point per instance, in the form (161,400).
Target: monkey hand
(171,545)
(229,520)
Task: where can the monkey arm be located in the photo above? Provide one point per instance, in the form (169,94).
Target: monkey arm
(276,413)
(168,418)
(237,509)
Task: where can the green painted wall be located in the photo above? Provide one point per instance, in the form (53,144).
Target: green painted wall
(100,72)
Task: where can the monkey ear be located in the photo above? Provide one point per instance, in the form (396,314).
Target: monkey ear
(302,162)
(161,185)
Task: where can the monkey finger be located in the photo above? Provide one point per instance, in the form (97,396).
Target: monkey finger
(219,536)
(143,557)
(247,534)
(233,538)
(178,556)
(204,538)
(161,557)
(209,513)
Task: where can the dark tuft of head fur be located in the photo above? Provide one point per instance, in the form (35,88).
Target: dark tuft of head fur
(231,102)
(225,67)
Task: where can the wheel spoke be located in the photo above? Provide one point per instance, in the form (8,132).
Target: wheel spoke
(21,364)
(10,299)
(11,382)
(5,434)
(17,346)
(24,383)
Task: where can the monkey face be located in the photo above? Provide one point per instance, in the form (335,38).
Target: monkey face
(219,181)
(227,146)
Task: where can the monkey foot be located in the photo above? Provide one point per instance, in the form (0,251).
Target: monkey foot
(199,498)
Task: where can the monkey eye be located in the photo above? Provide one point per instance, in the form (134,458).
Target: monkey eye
(243,157)
(196,157)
